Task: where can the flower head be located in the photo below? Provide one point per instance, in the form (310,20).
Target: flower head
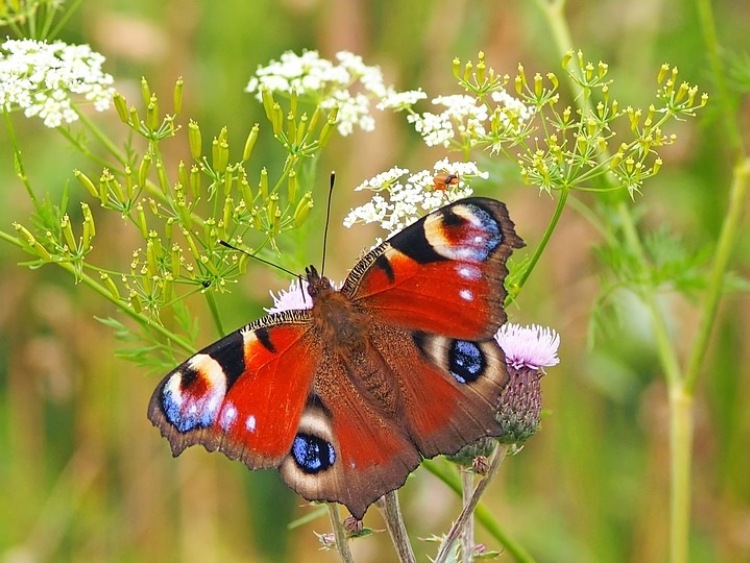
(43,78)
(401,198)
(349,84)
(528,346)
(294,298)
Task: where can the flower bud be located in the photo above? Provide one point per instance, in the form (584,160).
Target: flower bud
(219,154)
(302,212)
(145,90)
(143,170)
(292,186)
(87,183)
(152,114)
(250,143)
(110,284)
(194,139)
(177,95)
(263,185)
(121,105)
(520,405)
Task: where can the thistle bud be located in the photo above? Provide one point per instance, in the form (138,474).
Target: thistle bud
(520,405)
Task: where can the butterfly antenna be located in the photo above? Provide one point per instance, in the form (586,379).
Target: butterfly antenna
(259,259)
(328,222)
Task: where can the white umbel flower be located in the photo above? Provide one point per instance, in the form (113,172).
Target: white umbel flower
(44,79)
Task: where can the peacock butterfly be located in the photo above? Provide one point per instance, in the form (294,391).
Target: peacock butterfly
(347,397)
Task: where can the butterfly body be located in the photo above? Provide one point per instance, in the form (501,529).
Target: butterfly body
(346,397)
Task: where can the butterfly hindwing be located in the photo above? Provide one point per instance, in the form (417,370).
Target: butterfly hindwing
(243,395)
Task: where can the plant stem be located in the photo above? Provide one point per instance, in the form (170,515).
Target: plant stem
(215,313)
(681,442)
(483,515)
(342,543)
(713,50)
(445,548)
(467,534)
(141,319)
(551,226)
(394,521)
(725,245)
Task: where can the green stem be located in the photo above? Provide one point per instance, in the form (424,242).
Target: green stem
(342,543)
(215,312)
(713,50)
(482,514)
(141,319)
(542,244)
(64,18)
(680,403)
(681,444)
(664,346)
(20,171)
(725,245)
(102,138)
(501,452)
(394,521)
(467,533)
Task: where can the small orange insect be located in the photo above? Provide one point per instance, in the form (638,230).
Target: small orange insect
(443,180)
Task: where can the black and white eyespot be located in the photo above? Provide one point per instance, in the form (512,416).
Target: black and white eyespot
(463,232)
(466,361)
(312,449)
(192,395)
(312,454)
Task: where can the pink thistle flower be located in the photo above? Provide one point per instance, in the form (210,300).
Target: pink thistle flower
(531,346)
(294,298)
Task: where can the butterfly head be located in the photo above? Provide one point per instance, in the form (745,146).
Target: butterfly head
(317,284)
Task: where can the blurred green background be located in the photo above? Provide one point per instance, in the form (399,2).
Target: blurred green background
(84,476)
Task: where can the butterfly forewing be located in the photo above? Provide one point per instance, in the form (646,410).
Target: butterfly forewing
(443,274)
(242,395)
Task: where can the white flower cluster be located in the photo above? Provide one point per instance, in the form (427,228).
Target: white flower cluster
(42,78)
(463,116)
(400,199)
(350,84)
